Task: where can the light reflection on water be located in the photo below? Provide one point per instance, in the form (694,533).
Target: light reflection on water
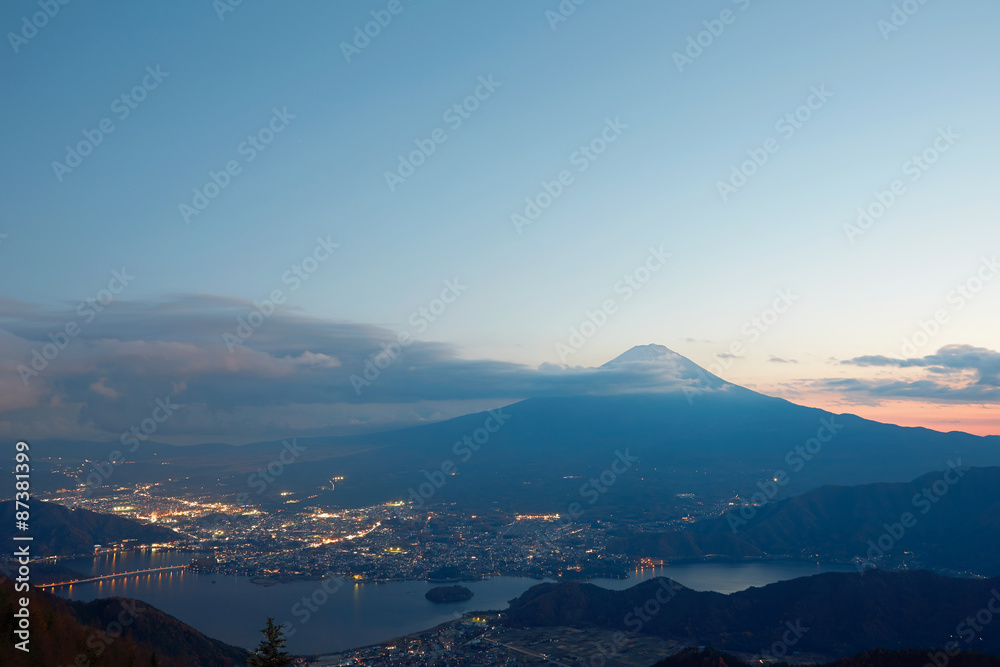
(231,609)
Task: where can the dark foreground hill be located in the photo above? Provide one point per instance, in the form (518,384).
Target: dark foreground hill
(955,526)
(62,631)
(60,531)
(836,614)
(708,657)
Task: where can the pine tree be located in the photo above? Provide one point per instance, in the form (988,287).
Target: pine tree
(270,652)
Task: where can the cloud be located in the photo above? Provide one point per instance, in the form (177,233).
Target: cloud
(101,387)
(779,360)
(985,363)
(313,359)
(955,373)
(292,375)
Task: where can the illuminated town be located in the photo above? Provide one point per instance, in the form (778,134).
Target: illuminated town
(294,535)
(391,541)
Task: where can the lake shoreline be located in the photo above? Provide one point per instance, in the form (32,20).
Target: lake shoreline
(324,619)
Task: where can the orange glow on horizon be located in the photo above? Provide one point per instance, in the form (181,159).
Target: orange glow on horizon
(974,419)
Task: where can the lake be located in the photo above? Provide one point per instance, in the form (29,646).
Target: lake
(231,609)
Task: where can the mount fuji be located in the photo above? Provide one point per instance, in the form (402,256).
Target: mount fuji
(647,433)
(693,433)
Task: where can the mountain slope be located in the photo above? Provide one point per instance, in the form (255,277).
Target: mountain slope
(719,440)
(62,631)
(693,657)
(693,433)
(836,614)
(60,531)
(955,526)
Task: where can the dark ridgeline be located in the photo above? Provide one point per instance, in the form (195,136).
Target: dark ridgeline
(708,657)
(837,614)
(60,531)
(62,630)
(955,527)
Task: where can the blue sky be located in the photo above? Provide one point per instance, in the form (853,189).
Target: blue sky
(889,95)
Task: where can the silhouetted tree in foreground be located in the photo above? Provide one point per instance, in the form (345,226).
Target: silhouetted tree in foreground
(271,650)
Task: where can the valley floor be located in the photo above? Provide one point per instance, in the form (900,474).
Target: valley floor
(484,639)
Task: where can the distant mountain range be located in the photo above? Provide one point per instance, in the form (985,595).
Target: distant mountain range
(835,614)
(62,631)
(60,531)
(955,526)
(695,434)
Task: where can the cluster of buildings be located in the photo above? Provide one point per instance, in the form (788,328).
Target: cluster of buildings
(469,641)
(390,541)
(484,639)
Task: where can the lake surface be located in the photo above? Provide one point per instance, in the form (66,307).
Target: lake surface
(232,609)
(138,559)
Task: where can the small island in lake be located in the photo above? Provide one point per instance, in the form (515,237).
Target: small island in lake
(448,594)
